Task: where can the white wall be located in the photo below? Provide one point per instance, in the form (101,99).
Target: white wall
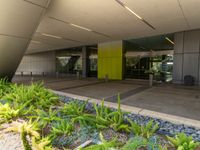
(38,63)
(187,56)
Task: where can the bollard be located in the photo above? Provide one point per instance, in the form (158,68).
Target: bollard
(78,75)
(22,73)
(106,78)
(57,75)
(150,80)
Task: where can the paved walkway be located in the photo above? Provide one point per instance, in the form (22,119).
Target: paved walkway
(167,99)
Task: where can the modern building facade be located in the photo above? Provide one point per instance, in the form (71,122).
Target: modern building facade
(115,39)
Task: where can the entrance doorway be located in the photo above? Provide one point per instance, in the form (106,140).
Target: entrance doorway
(149,54)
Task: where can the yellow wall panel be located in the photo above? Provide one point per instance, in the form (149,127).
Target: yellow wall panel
(110,60)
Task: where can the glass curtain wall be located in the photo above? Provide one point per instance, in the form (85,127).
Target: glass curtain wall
(69,61)
(151,53)
(93,58)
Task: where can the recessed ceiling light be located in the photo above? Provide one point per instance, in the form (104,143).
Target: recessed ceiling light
(169,40)
(80,27)
(53,36)
(134,13)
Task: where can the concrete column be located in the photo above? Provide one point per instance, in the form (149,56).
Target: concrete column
(19,21)
(187,56)
(85,62)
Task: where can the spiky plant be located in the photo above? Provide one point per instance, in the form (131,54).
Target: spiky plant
(183,142)
(5,87)
(145,131)
(25,129)
(74,108)
(117,120)
(76,111)
(41,144)
(104,145)
(102,116)
(7,113)
(34,95)
(135,143)
(44,118)
(63,127)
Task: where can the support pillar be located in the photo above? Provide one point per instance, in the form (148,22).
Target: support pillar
(85,62)
(110,60)
(186,56)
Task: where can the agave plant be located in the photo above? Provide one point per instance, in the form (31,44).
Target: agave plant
(183,142)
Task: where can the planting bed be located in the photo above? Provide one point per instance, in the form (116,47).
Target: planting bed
(34,118)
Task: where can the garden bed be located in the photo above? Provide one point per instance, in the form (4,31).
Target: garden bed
(34,118)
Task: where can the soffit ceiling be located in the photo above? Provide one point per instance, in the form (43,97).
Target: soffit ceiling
(110,21)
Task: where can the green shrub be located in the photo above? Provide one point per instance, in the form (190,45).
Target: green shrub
(135,143)
(63,127)
(183,142)
(145,131)
(41,144)
(35,96)
(25,129)
(138,142)
(7,113)
(45,117)
(5,87)
(74,108)
(77,113)
(104,145)
(117,120)
(102,116)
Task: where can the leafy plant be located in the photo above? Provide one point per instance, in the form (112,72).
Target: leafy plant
(135,143)
(117,120)
(35,95)
(145,131)
(63,127)
(105,118)
(104,145)
(102,116)
(44,118)
(42,144)
(25,129)
(85,120)
(183,142)
(153,143)
(5,87)
(7,113)
(76,111)
(74,108)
